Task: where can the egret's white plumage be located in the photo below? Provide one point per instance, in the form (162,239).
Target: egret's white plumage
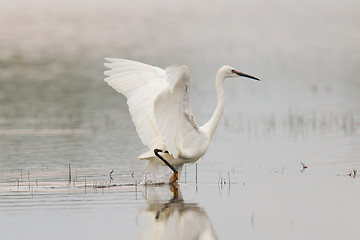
(159,105)
(140,84)
(173,115)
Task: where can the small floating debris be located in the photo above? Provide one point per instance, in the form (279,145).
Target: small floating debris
(353,173)
(303,166)
(222,181)
(105,185)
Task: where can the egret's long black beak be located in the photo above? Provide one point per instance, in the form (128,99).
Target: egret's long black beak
(245,75)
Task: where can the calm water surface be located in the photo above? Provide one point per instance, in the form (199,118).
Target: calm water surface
(282,165)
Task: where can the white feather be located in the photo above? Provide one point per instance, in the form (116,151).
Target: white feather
(171,111)
(159,105)
(140,84)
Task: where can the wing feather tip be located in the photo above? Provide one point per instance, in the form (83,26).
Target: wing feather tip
(111,59)
(106,79)
(108,65)
(107,73)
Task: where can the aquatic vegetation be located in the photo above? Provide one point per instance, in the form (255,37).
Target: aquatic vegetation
(110,175)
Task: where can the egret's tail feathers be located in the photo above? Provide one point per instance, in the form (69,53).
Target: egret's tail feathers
(147,155)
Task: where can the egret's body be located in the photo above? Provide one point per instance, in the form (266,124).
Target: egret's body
(160,108)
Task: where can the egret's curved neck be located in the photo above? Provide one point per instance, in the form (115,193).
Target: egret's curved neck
(210,126)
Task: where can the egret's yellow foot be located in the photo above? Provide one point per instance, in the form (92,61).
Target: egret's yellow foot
(174,190)
(174,178)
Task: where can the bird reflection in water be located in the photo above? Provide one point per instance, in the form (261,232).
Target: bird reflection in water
(168,216)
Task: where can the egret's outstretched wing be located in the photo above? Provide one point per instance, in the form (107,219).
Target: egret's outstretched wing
(140,84)
(173,114)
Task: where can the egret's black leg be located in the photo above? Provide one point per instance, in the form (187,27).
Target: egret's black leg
(174,177)
(156,151)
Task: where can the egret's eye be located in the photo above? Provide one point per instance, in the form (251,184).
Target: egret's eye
(233,71)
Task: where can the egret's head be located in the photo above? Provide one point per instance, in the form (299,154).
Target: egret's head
(229,72)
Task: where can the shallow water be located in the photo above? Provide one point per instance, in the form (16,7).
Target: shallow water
(56,112)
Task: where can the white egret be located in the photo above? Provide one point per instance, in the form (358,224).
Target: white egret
(159,105)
